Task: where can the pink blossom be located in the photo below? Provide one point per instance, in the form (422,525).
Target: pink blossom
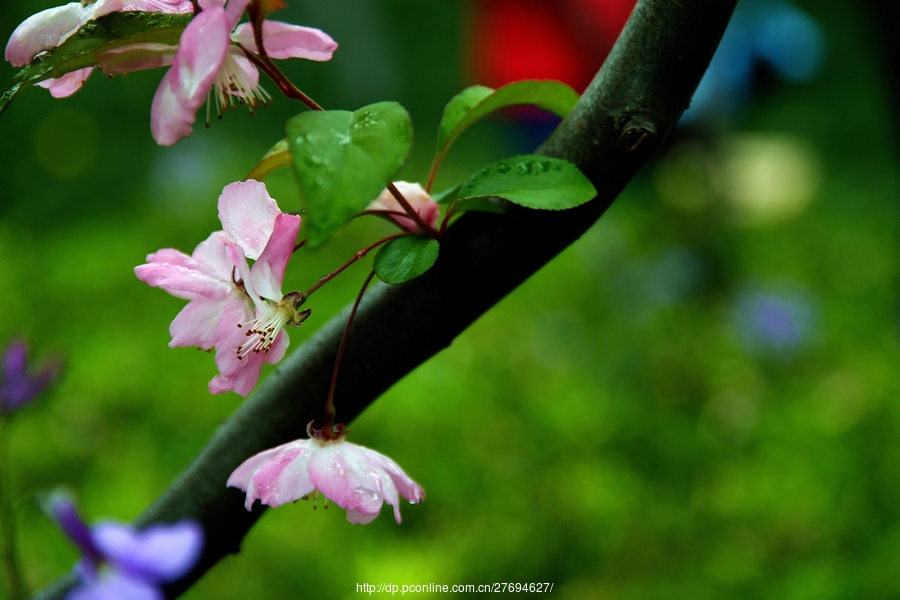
(418,199)
(208,58)
(231,305)
(49,28)
(354,477)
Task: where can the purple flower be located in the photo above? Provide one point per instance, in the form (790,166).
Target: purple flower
(774,322)
(139,560)
(17,386)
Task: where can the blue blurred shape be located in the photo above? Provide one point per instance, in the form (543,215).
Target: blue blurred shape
(775,34)
(779,322)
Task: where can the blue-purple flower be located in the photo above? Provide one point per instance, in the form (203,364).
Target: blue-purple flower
(137,562)
(17,386)
(774,322)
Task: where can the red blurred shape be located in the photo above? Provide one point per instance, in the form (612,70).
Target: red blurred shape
(543,39)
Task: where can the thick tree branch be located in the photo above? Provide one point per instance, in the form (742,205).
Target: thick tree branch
(626,113)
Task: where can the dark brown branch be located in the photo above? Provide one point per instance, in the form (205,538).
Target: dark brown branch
(626,113)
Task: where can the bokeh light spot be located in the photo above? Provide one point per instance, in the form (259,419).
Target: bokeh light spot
(66,143)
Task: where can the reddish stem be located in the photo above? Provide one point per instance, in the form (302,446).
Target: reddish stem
(329,404)
(265,64)
(410,212)
(355,258)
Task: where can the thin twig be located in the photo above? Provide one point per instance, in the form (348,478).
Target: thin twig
(356,257)
(329,404)
(411,212)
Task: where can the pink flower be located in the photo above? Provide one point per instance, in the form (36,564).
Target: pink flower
(208,58)
(418,199)
(354,477)
(226,297)
(49,28)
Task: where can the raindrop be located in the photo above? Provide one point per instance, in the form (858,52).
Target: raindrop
(501,167)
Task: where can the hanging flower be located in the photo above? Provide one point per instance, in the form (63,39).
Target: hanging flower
(226,296)
(418,199)
(355,478)
(49,28)
(139,561)
(208,58)
(206,61)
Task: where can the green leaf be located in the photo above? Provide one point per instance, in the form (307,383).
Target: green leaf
(488,205)
(343,160)
(106,33)
(456,110)
(406,258)
(531,181)
(476,102)
(447,196)
(278,156)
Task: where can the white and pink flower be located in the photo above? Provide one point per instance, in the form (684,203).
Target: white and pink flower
(418,199)
(208,58)
(49,28)
(355,478)
(237,309)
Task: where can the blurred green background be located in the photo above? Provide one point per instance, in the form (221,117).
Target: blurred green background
(699,399)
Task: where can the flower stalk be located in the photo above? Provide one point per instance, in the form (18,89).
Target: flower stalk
(10,554)
(329,429)
(360,254)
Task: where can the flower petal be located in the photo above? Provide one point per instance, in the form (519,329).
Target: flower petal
(341,472)
(116,586)
(213,257)
(14,361)
(181,282)
(237,374)
(248,214)
(201,52)
(418,199)
(44,31)
(240,477)
(64,513)
(267,273)
(197,324)
(357,518)
(68,84)
(158,554)
(206,274)
(284,40)
(284,477)
(278,349)
(408,488)
(233,12)
(243,477)
(17,386)
(105,7)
